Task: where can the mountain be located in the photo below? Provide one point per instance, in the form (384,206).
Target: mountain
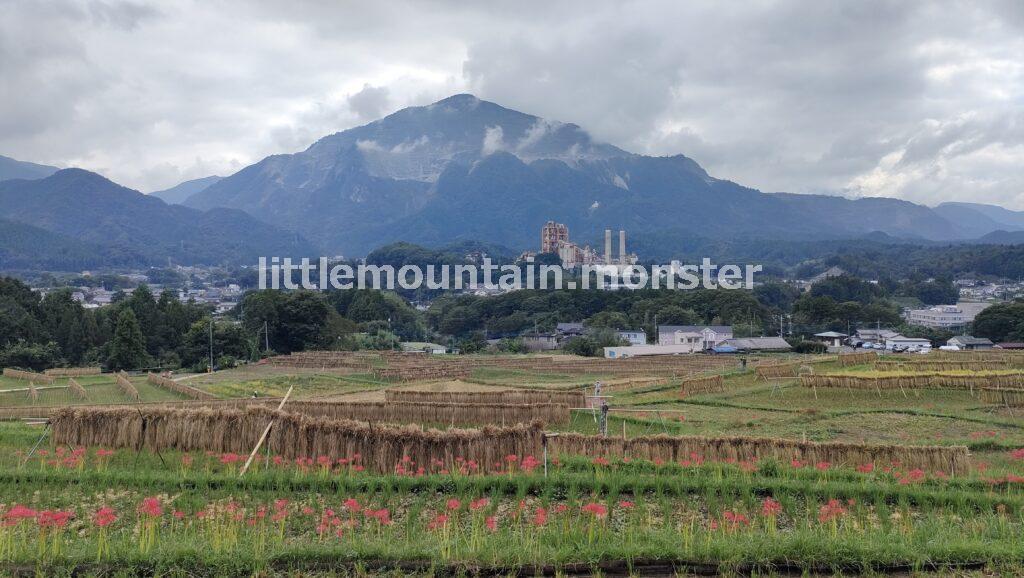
(977,219)
(23,246)
(86,207)
(464,168)
(12,169)
(178,193)
(1002,238)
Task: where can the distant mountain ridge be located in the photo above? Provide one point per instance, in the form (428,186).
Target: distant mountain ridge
(15,169)
(467,169)
(178,193)
(80,205)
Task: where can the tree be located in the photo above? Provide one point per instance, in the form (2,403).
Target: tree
(473,343)
(1001,322)
(609,319)
(229,340)
(128,348)
(676,315)
(582,346)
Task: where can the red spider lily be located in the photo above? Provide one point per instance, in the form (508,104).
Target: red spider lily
(822,466)
(453,504)
(561,509)
(17,513)
(540,517)
(695,460)
(383,516)
(104,517)
(599,511)
(796,463)
(831,511)
(351,505)
(228,459)
(102,453)
(599,461)
(866,468)
(479,504)
(529,464)
(178,515)
(734,521)
(770,508)
(151,507)
(54,518)
(439,521)
(626,505)
(511,458)
(1017,454)
(491,523)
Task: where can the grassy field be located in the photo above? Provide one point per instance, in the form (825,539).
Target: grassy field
(191,514)
(101,389)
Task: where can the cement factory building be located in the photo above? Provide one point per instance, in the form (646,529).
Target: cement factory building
(554,238)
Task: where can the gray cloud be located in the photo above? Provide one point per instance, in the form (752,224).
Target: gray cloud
(370,103)
(920,101)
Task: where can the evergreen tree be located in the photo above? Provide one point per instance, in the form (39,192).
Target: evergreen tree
(128,348)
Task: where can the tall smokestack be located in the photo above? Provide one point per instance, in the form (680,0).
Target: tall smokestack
(622,247)
(607,246)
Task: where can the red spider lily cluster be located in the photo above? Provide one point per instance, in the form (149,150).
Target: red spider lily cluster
(831,512)
(598,511)
(770,508)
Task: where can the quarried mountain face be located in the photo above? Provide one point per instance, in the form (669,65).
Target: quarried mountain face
(464,168)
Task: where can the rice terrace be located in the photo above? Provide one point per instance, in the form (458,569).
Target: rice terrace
(387,463)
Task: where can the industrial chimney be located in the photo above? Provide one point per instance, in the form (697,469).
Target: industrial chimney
(622,247)
(607,246)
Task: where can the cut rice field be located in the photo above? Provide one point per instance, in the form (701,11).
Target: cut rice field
(167,496)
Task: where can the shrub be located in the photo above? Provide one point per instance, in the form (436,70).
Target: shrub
(810,347)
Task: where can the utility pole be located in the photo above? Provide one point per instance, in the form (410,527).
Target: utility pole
(266,337)
(211,344)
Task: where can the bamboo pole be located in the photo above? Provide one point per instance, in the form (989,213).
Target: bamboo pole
(266,432)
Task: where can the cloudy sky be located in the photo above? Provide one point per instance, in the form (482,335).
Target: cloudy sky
(918,100)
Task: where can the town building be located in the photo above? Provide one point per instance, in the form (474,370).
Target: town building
(831,338)
(633,336)
(540,341)
(941,317)
(874,336)
(967,342)
(695,337)
(1012,345)
(571,329)
(424,347)
(751,344)
(625,351)
(901,342)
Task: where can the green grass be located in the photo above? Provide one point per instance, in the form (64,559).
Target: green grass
(101,389)
(676,515)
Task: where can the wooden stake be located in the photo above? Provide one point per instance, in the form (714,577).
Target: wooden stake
(263,437)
